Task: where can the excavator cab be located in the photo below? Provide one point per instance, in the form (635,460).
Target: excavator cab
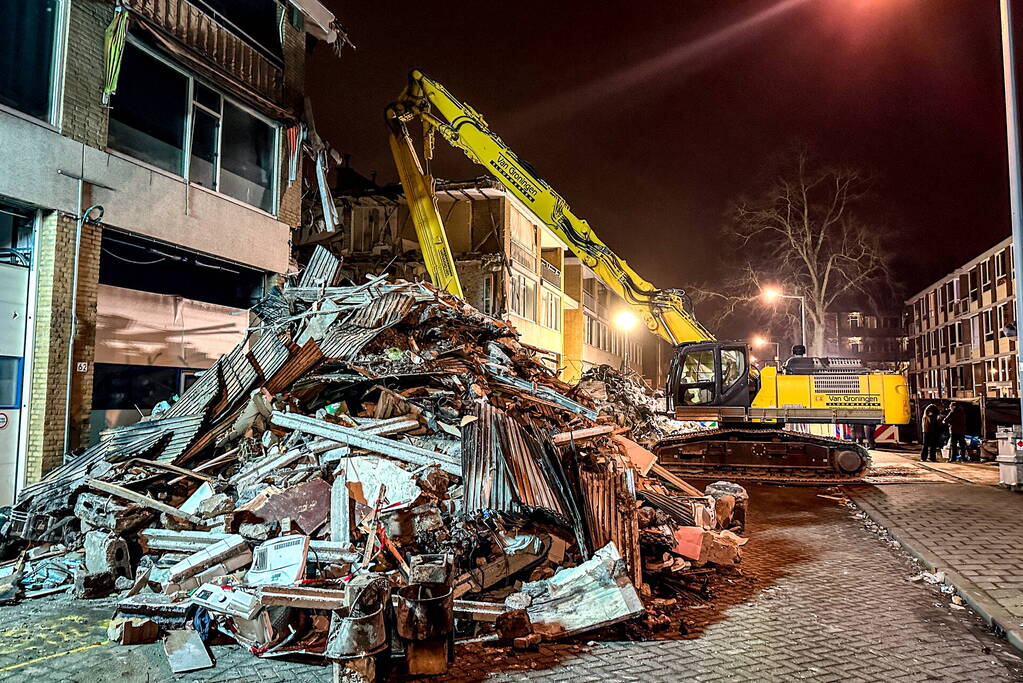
(711,373)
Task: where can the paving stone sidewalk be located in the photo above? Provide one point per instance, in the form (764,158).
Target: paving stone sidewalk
(973,533)
(821,599)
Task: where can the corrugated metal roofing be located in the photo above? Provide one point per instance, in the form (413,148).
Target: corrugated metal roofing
(500,468)
(610,509)
(322,269)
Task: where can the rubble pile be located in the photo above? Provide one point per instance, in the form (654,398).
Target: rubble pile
(626,399)
(377,468)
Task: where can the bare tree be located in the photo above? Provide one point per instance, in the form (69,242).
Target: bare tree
(803,237)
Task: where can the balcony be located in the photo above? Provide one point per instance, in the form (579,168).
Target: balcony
(524,256)
(210,43)
(550,274)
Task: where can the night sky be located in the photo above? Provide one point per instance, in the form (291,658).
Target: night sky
(649,117)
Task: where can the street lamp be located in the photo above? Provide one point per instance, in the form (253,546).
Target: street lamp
(625,321)
(771,294)
(759,341)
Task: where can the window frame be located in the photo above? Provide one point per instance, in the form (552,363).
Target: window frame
(55,110)
(189,123)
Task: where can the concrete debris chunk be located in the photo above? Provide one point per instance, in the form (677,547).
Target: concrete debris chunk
(376,463)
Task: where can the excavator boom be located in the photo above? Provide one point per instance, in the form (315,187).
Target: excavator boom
(709,380)
(665,312)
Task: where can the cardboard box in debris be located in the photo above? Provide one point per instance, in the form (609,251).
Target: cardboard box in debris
(372,459)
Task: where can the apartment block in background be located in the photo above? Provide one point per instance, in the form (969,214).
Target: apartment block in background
(509,265)
(957,342)
(186,166)
(877,340)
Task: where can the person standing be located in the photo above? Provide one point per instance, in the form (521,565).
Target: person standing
(955,419)
(930,428)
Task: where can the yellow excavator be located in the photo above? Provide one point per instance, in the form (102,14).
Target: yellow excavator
(709,380)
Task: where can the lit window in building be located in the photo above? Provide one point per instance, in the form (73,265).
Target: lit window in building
(232,150)
(28,55)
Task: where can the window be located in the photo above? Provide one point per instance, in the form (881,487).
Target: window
(523,296)
(985,273)
(551,310)
(855,320)
(128,387)
(207,138)
(989,326)
(1001,263)
(488,294)
(10,382)
(248,158)
(15,236)
(733,366)
(148,111)
(206,115)
(29,55)
(973,284)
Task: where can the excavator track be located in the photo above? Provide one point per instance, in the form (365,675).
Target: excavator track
(763,454)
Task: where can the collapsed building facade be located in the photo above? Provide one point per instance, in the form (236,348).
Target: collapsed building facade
(510,266)
(118,281)
(376,468)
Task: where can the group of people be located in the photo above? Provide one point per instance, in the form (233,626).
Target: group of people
(935,423)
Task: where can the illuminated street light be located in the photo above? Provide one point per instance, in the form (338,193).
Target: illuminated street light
(625,320)
(759,341)
(771,294)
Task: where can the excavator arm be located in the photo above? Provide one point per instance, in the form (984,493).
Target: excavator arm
(666,312)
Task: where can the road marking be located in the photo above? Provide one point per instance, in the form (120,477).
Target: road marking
(57,654)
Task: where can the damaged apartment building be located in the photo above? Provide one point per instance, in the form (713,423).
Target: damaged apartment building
(148,191)
(510,266)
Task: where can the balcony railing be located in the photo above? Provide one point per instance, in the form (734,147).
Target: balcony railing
(524,256)
(550,273)
(215,46)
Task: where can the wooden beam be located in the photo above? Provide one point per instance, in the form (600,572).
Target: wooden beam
(676,481)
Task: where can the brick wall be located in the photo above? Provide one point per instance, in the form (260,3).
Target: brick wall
(51,332)
(290,210)
(84,116)
(49,345)
(85,334)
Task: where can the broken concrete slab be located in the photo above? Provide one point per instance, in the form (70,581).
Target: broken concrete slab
(595,594)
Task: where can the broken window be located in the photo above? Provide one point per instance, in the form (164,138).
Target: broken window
(15,236)
(28,50)
(148,111)
(231,150)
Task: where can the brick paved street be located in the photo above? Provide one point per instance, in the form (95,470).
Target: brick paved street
(970,530)
(821,600)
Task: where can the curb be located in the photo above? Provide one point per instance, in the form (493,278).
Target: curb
(990,611)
